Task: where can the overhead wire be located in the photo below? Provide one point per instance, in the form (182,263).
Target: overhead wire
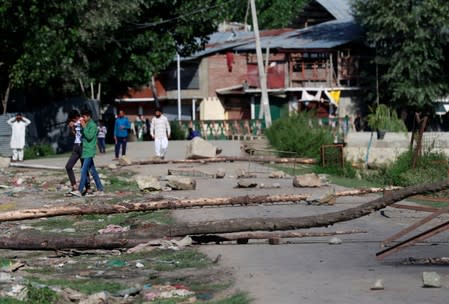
(198,11)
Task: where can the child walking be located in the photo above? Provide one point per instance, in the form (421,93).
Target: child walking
(101,137)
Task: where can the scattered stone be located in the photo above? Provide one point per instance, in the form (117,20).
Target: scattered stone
(6,277)
(139,265)
(112,166)
(324,179)
(378,285)
(431,280)
(4,162)
(181,183)
(273,186)
(199,148)
(335,241)
(246,184)
(147,183)
(96,298)
(277,174)
(240,173)
(220,173)
(311,180)
(124,161)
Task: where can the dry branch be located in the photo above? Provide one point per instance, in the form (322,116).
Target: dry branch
(146,206)
(39,241)
(365,191)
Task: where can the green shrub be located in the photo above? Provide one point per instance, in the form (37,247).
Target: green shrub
(177,133)
(299,133)
(431,167)
(38,150)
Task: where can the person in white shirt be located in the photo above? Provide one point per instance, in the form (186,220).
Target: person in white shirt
(160,132)
(18,125)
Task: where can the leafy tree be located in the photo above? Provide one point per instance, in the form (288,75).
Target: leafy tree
(57,45)
(271,13)
(410,38)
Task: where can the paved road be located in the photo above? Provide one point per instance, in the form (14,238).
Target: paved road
(305,270)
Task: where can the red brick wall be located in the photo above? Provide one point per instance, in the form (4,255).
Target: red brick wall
(219,75)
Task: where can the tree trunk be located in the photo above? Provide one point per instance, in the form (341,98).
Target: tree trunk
(278,160)
(32,240)
(146,206)
(417,153)
(5,99)
(263,235)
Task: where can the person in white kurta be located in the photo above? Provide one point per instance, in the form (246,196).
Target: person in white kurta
(160,131)
(18,125)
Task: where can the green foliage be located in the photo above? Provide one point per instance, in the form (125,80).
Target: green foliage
(410,38)
(300,133)
(268,12)
(38,150)
(34,296)
(346,171)
(177,133)
(431,167)
(54,44)
(82,285)
(386,119)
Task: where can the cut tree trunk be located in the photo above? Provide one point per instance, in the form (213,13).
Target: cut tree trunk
(263,235)
(259,159)
(146,206)
(26,214)
(33,240)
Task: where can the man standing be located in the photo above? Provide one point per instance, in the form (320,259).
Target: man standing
(18,125)
(121,130)
(89,134)
(160,131)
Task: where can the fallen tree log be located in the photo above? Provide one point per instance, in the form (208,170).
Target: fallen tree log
(77,209)
(37,241)
(257,159)
(365,191)
(263,235)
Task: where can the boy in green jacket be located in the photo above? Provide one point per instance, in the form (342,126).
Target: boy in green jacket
(89,134)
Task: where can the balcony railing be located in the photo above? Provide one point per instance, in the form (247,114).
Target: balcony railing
(243,129)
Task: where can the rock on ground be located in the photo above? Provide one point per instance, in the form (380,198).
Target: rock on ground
(181,182)
(311,180)
(198,148)
(149,183)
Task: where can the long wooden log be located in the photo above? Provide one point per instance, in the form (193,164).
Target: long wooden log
(365,191)
(77,209)
(257,159)
(38,241)
(263,235)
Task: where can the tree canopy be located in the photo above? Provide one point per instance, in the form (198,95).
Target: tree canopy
(410,38)
(60,45)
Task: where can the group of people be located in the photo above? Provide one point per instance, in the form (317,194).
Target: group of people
(160,131)
(84,149)
(87,136)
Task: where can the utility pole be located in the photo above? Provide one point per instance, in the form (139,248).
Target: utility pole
(264,102)
(178,74)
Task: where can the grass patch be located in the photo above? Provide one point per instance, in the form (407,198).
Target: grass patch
(83,286)
(34,296)
(94,222)
(238,298)
(170,260)
(121,184)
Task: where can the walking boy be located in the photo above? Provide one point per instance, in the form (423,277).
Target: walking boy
(89,133)
(160,131)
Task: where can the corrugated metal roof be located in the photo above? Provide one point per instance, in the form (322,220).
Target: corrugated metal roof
(322,36)
(340,9)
